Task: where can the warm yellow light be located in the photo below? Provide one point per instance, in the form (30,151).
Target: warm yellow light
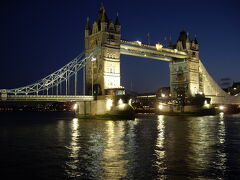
(206,104)
(120,101)
(122,106)
(75,124)
(160,106)
(75,106)
(130,102)
(175,50)
(221,108)
(159,46)
(160,117)
(163,95)
(139,43)
(109,104)
(221,114)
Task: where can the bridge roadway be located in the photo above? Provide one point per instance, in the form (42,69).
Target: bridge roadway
(50,98)
(136,48)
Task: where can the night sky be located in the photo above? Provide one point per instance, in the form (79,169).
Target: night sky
(40,36)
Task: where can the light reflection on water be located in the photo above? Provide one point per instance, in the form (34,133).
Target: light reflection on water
(165,147)
(116,149)
(200,141)
(74,148)
(221,155)
(113,162)
(102,157)
(159,149)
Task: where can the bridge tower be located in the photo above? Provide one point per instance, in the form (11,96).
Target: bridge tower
(185,77)
(105,34)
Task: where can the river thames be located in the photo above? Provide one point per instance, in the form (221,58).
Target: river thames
(58,146)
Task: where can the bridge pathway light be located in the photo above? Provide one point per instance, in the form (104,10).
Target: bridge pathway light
(159,46)
(139,42)
(160,106)
(221,107)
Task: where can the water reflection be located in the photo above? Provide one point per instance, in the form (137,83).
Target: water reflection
(164,148)
(60,130)
(200,152)
(74,148)
(160,150)
(113,162)
(130,148)
(221,155)
(206,138)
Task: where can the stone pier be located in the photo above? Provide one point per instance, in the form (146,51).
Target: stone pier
(105,105)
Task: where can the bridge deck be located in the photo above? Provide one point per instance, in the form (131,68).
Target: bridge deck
(150,51)
(60,98)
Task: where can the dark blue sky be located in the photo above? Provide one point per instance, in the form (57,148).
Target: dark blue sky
(40,36)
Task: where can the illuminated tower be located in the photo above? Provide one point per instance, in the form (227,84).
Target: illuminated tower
(185,78)
(106,68)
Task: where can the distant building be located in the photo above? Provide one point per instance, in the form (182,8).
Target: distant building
(163,92)
(235,89)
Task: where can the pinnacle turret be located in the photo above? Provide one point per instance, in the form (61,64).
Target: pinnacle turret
(87,27)
(183,37)
(102,16)
(117,20)
(195,40)
(183,41)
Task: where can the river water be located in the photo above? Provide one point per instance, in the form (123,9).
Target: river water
(58,146)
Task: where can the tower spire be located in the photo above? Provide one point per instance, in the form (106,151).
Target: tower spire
(87,24)
(195,39)
(170,45)
(102,17)
(117,20)
(102,8)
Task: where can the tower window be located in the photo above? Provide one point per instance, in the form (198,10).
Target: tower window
(111,36)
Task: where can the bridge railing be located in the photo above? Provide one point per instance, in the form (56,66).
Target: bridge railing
(137,48)
(48,98)
(153,47)
(54,80)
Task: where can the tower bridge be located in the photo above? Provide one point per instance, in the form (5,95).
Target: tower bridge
(100,63)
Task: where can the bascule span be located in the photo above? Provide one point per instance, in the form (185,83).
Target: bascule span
(214,91)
